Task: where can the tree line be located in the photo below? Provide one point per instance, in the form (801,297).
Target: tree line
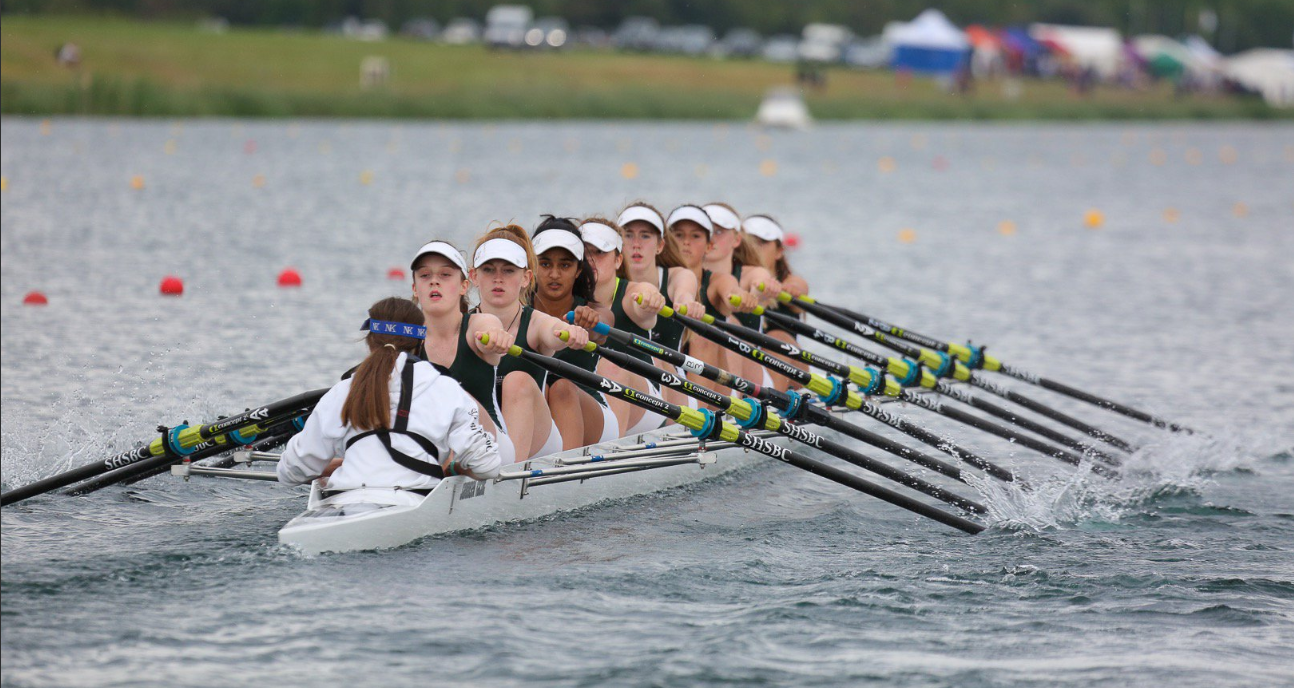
(1237,24)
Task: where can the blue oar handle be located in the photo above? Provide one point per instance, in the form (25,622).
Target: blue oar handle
(600,328)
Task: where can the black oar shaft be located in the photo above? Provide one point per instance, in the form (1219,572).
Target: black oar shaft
(698,421)
(741,411)
(959,371)
(187,439)
(991,363)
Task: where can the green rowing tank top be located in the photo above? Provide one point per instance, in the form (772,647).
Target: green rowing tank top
(624,322)
(512,363)
(473,374)
(668,331)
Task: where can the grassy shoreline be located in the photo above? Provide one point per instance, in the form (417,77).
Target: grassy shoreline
(169,70)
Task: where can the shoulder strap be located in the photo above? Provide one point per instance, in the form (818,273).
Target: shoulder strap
(401,427)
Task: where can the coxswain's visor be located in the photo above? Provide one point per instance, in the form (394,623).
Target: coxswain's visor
(501,249)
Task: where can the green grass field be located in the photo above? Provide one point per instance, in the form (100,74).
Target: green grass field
(174,70)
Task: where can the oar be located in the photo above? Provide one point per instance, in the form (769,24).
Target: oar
(868,379)
(752,414)
(976,358)
(277,431)
(942,365)
(929,379)
(794,408)
(704,424)
(174,444)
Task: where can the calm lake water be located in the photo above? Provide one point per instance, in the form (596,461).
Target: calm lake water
(1179,302)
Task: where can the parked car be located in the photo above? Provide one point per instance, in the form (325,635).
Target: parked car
(506,26)
(741,42)
(461,31)
(782,48)
(549,33)
(636,33)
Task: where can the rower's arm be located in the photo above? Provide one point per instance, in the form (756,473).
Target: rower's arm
(309,452)
(683,288)
(721,287)
(644,317)
(482,322)
(543,334)
(752,277)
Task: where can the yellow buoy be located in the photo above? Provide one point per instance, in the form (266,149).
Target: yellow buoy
(768,167)
(1228,155)
(170,147)
(137,182)
(463,175)
(1093,219)
(45,127)
(258,181)
(1194,156)
(1158,157)
(4,183)
(366,177)
(629,170)
(1240,209)
(907,236)
(1006,228)
(886,164)
(1171,215)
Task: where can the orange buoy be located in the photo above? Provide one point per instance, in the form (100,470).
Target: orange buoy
(792,240)
(395,274)
(35,298)
(171,286)
(289,278)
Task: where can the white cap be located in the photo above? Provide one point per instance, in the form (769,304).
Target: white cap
(763,227)
(501,249)
(721,216)
(441,248)
(602,237)
(641,212)
(559,238)
(692,213)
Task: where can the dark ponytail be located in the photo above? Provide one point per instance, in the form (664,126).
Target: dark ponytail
(368,405)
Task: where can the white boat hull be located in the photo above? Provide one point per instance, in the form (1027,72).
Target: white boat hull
(381,519)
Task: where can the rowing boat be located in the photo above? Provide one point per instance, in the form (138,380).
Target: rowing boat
(369,519)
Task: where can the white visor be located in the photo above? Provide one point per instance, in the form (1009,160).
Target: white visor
(441,248)
(602,237)
(643,213)
(500,249)
(722,217)
(692,213)
(559,238)
(763,227)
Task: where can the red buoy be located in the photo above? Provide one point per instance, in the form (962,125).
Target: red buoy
(289,278)
(395,274)
(171,286)
(792,240)
(35,298)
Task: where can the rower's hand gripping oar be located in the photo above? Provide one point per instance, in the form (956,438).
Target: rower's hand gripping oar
(830,390)
(869,380)
(749,414)
(174,444)
(928,378)
(942,365)
(976,358)
(707,425)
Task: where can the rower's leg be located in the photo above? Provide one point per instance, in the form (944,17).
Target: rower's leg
(525,413)
(564,400)
(785,383)
(626,413)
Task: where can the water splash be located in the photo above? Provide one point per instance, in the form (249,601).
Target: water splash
(1171,465)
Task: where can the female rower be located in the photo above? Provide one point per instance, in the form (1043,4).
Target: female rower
(435,431)
(565,283)
(653,258)
(503,269)
(733,252)
(767,236)
(454,336)
(692,231)
(630,306)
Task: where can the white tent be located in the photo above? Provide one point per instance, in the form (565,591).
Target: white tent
(1098,48)
(1266,70)
(929,43)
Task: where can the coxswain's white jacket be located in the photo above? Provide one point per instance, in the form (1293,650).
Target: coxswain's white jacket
(441,412)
